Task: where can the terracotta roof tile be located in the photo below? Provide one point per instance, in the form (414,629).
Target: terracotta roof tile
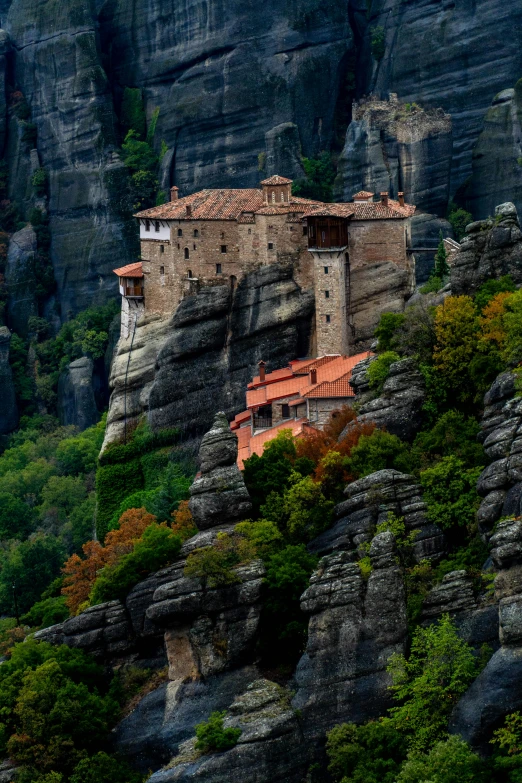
(272,377)
(363,194)
(131,270)
(208,205)
(327,389)
(276,180)
(362,210)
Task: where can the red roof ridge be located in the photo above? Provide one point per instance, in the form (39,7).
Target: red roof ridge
(130,270)
(276,179)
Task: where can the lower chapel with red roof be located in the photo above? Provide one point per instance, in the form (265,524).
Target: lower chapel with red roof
(354,256)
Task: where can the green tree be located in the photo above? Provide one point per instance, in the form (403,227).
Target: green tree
(386,331)
(491,288)
(507,757)
(441,268)
(453,434)
(371,753)
(449,490)
(459,219)
(213,737)
(102,768)
(448,761)
(271,471)
(378,451)
(302,512)
(47,612)
(378,42)
(456,330)
(30,566)
(429,683)
(318,183)
(16,517)
(61,495)
(132,112)
(379,369)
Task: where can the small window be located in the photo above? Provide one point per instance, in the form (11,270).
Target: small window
(282,196)
(147,225)
(194,245)
(327,294)
(249,230)
(222,235)
(285,411)
(270,245)
(157,225)
(179,246)
(273,197)
(189,272)
(223,248)
(186,252)
(162,270)
(196,232)
(305,231)
(162,248)
(180,232)
(327,318)
(218,269)
(326,270)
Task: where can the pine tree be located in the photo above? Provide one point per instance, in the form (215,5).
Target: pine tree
(441,268)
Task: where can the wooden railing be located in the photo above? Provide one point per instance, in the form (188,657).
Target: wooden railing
(135,291)
(262,422)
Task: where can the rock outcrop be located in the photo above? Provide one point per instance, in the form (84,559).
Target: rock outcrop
(497,690)
(209,350)
(398,408)
(354,628)
(491,248)
(219,495)
(20,279)
(9,409)
(395,147)
(369,501)
(76,402)
(500,483)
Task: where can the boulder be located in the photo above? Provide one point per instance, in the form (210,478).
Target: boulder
(219,495)
(76,401)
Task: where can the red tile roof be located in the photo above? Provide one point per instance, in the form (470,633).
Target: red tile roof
(362,210)
(241,418)
(131,270)
(276,180)
(363,194)
(328,389)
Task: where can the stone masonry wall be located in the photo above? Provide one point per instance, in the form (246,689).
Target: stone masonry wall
(332,334)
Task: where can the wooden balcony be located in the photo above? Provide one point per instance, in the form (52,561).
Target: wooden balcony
(325,233)
(133,292)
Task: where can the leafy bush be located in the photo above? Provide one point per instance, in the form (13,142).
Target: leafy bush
(371,753)
(132,111)
(433,285)
(459,219)
(213,737)
(302,512)
(16,517)
(102,768)
(112,483)
(491,288)
(441,268)
(453,434)
(39,181)
(450,493)
(320,176)
(507,757)
(449,761)
(157,547)
(47,612)
(379,369)
(440,668)
(378,451)
(386,331)
(30,566)
(214,565)
(378,42)
(272,469)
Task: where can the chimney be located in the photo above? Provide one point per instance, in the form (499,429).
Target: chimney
(262,366)
(313,376)
(189,210)
(384,198)
(174,193)
(400,194)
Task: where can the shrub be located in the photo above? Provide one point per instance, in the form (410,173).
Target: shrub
(507,757)
(450,493)
(459,219)
(112,482)
(450,761)
(433,285)
(440,668)
(320,176)
(371,753)
(441,268)
(378,42)
(491,288)
(379,369)
(30,566)
(386,331)
(102,768)
(15,517)
(453,434)
(272,469)
(132,111)
(213,737)
(47,612)
(39,181)
(456,331)
(378,451)
(304,511)
(214,564)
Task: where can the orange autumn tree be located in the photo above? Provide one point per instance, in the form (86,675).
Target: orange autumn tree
(183,522)
(81,573)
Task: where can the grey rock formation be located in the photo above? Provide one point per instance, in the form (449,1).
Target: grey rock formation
(491,248)
(500,483)
(269,748)
(369,501)
(496,170)
(151,735)
(454,594)
(353,630)
(283,151)
(76,402)
(208,351)
(398,408)
(9,409)
(219,495)
(8,772)
(20,279)
(425,238)
(104,631)
(447,42)
(390,147)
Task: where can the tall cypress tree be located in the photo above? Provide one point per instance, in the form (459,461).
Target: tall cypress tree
(441,268)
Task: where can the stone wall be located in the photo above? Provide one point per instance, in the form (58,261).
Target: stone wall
(331,317)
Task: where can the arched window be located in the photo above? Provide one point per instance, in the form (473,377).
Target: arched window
(273,197)
(186,252)
(196,232)
(180,232)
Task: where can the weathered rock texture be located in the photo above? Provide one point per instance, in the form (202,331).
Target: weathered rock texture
(491,248)
(391,147)
(496,164)
(497,690)
(219,495)
(9,409)
(500,483)
(353,630)
(76,401)
(369,501)
(207,352)
(398,408)
(20,279)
